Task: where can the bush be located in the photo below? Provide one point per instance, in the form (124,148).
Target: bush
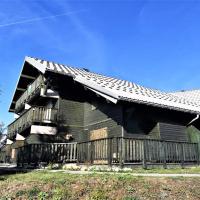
(53,166)
(72,167)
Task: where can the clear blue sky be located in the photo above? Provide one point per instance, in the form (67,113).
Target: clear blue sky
(153,43)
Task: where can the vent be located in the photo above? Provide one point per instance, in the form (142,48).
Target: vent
(85,69)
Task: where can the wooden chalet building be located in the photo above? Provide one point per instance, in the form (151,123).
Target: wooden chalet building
(59,104)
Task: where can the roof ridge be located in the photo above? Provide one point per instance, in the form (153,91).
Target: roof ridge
(190,90)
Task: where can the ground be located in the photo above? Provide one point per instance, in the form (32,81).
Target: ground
(46,184)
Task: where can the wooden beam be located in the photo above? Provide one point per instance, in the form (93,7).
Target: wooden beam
(21,89)
(27,76)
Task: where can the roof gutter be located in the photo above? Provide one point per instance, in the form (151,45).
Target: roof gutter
(193,120)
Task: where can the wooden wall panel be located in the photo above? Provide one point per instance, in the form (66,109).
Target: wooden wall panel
(99,133)
(173,132)
(105,114)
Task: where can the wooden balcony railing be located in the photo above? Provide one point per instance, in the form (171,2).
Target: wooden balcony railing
(47,152)
(126,151)
(31,89)
(112,151)
(34,114)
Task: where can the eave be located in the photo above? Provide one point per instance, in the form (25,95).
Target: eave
(28,74)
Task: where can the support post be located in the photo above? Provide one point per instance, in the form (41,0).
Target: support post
(110,151)
(29,151)
(164,155)
(144,154)
(182,155)
(77,153)
(22,155)
(18,156)
(121,152)
(91,152)
(198,153)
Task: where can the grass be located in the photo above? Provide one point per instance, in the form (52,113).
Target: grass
(176,170)
(44,185)
(159,170)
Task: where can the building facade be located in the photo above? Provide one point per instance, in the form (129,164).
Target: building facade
(55,103)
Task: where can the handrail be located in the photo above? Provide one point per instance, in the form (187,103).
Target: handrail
(138,151)
(47,153)
(31,88)
(46,143)
(135,138)
(33,114)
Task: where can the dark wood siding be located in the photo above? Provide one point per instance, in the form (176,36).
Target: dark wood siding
(138,124)
(71,112)
(41,138)
(150,122)
(76,116)
(173,132)
(155,132)
(71,118)
(104,115)
(193,134)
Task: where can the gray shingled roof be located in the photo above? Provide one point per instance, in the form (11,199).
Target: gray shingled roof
(116,89)
(190,95)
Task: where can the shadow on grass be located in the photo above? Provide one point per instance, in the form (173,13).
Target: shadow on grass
(14,170)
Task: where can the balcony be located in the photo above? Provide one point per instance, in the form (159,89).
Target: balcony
(29,117)
(32,89)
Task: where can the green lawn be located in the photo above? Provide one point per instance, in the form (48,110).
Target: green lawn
(177,170)
(58,185)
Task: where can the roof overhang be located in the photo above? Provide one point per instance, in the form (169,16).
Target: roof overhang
(114,100)
(94,88)
(29,72)
(148,103)
(98,90)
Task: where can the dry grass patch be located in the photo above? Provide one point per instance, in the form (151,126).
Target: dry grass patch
(47,185)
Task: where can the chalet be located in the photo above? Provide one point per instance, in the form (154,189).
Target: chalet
(107,117)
